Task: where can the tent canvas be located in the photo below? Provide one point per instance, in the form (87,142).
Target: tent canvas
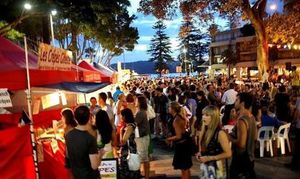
(105,77)
(13,73)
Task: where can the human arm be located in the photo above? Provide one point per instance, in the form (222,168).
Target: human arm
(188,112)
(95,155)
(178,132)
(126,135)
(202,131)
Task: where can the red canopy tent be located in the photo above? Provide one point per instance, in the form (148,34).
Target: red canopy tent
(104,76)
(13,73)
(13,77)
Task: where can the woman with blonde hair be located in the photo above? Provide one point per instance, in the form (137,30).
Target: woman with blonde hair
(214,144)
(181,139)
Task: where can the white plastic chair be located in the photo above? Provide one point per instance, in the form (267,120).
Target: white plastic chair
(222,111)
(282,135)
(265,135)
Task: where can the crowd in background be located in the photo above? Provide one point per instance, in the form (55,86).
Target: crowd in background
(189,113)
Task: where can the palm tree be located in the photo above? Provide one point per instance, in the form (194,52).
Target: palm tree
(229,58)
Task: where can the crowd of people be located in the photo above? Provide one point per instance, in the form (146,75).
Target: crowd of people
(189,113)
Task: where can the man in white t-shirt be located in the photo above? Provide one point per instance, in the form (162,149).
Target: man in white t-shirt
(229,98)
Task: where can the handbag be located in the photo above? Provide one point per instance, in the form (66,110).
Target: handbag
(150,112)
(136,132)
(133,160)
(213,169)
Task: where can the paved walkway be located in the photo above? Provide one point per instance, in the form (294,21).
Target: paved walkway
(266,168)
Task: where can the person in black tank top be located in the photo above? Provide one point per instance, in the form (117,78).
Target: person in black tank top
(213,141)
(182,141)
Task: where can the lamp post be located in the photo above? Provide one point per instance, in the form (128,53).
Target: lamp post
(53,13)
(185,63)
(273,7)
(27,6)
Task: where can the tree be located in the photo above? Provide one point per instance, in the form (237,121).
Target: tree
(253,12)
(160,48)
(106,23)
(78,24)
(284,28)
(194,42)
(229,57)
(12,33)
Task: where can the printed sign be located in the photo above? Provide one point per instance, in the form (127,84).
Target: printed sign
(50,100)
(108,168)
(54,146)
(51,58)
(5,101)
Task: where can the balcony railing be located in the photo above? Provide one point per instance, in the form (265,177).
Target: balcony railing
(288,54)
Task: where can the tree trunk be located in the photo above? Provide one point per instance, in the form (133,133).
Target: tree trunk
(255,15)
(262,56)
(73,45)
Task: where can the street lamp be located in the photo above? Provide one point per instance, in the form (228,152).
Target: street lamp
(184,51)
(53,13)
(273,7)
(27,6)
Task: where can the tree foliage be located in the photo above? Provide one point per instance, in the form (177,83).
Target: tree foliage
(12,33)
(79,24)
(160,48)
(254,12)
(284,28)
(194,42)
(229,57)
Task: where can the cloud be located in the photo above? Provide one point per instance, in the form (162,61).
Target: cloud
(174,43)
(140,47)
(134,6)
(145,38)
(175,23)
(145,21)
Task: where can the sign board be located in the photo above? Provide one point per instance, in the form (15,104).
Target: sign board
(51,58)
(5,101)
(108,168)
(50,100)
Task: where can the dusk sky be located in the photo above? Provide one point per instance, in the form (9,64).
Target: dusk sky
(145,23)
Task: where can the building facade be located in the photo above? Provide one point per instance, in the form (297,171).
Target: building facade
(281,57)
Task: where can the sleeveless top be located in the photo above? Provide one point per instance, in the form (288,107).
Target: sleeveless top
(213,147)
(251,136)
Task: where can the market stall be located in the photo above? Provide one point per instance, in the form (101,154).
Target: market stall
(51,90)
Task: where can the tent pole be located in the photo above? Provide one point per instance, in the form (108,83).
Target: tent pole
(85,101)
(28,94)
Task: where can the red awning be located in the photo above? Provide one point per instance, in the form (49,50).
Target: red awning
(13,70)
(104,77)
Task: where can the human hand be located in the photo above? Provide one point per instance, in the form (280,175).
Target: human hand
(101,152)
(198,155)
(204,159)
